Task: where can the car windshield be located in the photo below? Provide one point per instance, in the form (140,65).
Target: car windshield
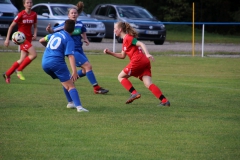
(133,12)
(5,1)
(60,10)
(63,10)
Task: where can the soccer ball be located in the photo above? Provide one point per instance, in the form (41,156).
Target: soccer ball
(18,38)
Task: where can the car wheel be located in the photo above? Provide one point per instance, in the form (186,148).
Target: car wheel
(95,39)
(159,42)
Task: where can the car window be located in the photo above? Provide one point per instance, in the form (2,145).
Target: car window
(35,9)
(60,10)
(5,1)
(40,10)
(101,11)
(111,10)
(83,14)
(133,12)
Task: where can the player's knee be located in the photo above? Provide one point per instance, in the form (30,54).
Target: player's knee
(147,84)
(34,56)
(21,60)
(120,78)
(87,66)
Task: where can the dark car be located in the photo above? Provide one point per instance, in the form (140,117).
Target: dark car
(7,13)
(147,26)
(57,13)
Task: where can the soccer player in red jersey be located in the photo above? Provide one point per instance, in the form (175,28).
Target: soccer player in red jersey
(139,65)
(25,20)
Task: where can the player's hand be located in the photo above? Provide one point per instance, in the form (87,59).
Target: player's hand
(48,28)
(74,77)
(6,42)
(34,37)
(106,51)
(86,42)
(150,57)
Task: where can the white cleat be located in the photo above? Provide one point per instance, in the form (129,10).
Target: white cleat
(81,109)
(71,106)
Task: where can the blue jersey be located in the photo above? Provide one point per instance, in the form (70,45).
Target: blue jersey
(59,45)
(76,35)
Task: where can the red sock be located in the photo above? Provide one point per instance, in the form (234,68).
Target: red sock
(157,92)
(25,62)
(128,85)
(12,69)
(97,87)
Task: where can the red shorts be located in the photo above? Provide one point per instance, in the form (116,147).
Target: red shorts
(139,69)
(25,46)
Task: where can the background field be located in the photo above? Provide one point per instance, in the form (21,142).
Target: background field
(203,121)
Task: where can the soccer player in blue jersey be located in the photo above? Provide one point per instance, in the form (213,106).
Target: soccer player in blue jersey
(59,45)
(80,57)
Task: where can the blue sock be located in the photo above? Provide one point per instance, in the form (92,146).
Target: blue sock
(80,73)
(75,97)
(91,77)
(67,95)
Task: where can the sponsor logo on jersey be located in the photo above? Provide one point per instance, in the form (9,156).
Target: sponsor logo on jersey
(28,21)
(77,31)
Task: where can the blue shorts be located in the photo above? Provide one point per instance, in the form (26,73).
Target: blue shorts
(80,57)
(59,71)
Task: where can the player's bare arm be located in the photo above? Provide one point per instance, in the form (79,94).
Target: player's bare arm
(6,42)
(34,32)
(145,50)
(85,39)
(121,55)
(43,41)
(49,28)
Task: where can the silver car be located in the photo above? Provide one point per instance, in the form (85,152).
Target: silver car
(57,13)
(7,13)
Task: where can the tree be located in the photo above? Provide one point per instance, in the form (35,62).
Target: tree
(167,10)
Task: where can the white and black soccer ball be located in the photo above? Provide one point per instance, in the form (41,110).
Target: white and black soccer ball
(18,38)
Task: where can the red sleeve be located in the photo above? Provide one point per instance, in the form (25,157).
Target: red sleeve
(18,17)
(127,41)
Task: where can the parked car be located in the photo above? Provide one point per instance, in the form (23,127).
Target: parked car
(7,13)
(147,26)
(56,13)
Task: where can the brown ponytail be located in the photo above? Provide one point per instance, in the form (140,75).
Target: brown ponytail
(127,28)
(80,6)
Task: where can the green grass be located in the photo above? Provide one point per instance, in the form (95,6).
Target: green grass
(203,121)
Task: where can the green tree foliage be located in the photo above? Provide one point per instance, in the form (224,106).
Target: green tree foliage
(168,10)
(205,11)
(218,11)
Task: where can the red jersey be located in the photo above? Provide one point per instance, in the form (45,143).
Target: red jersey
(139,65)
(134,52)
(25,22)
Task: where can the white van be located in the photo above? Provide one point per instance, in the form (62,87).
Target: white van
(7,13)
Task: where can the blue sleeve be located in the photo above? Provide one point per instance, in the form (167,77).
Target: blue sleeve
(83,29)
(70,47)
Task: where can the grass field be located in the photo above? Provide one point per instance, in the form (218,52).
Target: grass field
(203,121)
